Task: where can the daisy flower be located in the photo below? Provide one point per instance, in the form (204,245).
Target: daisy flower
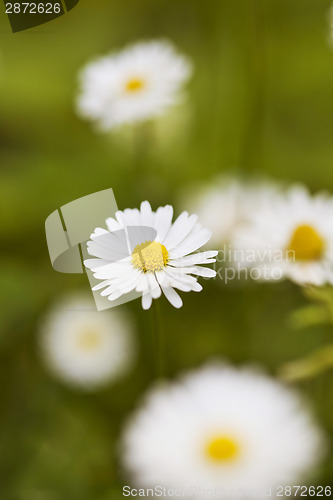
(224,205)
(144,251)
(85,348)
(132,85)
(224,430)
(292,234)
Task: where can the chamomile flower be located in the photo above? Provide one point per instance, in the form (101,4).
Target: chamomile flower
(292,234)
(144,251)
(132,85)
(85,348)
(224,205)
(221,429)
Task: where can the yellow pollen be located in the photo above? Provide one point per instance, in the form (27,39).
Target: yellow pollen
(150,256)
(134,85)
(222,449)
(306,243)
(88,340)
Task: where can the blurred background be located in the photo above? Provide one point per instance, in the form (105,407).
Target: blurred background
(260,101)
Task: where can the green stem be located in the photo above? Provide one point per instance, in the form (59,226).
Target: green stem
(251,153)
(252,140)
(158,340)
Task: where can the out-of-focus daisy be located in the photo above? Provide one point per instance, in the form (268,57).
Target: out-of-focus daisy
(221,429)
(292,233)
(132,85)
(86,348)
(153,259)
(225,204)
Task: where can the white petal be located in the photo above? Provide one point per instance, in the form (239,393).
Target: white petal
(108,247)
(146,301)
(124,283)
(133,217)
(147,215)
(163,220)
(182,281)
(182,226)
(206,272)
(97,232)
(154,287)
(115,295)
(192,243)
(142,285)
(100,285)
(172,297)
(197,270)
(112,270)
(112,224)
(94,263)
(197,258)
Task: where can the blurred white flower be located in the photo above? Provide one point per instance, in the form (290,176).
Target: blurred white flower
(152,259)
(292,234)
(221,429)
(132,85)
(83,347)
(226,203)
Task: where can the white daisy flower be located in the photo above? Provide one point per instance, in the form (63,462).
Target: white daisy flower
(223,430)
(85,348)
(292,234)
(226,203)
(144,251)
(132,85)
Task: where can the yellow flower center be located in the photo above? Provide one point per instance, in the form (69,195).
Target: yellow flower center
(150,256)
(134,85)
(306,243)
(89,340)
(222,449)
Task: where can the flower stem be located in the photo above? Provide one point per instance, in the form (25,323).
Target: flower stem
(251,151)
(142,141)
(158,340)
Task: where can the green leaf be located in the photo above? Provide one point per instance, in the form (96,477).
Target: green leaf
(318,362)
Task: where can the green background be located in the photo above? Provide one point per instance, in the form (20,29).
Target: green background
(260,101)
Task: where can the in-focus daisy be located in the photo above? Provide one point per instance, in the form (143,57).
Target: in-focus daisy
(86,348)
(144,251)
(292,234)
(132,85)
(224,205)
(221,430)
